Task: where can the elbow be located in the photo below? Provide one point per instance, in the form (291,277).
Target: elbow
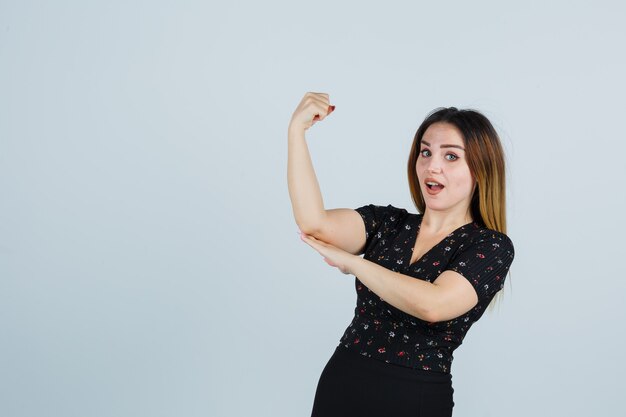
(424,313)
(308,228)
(429,316)
(427,310)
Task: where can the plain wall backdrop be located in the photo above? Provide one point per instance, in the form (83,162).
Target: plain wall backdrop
(149,261)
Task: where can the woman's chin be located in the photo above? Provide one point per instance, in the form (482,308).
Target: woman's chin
(434,204)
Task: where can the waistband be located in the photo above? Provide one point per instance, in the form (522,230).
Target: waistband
(391,369)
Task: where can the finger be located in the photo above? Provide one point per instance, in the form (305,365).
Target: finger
(317,241)
(325,95)
(308,240)
(327,109)
(329,262)
(313,244)
(321,111)
(317,101)
(321,97)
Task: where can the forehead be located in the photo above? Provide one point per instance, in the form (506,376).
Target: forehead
(443,133)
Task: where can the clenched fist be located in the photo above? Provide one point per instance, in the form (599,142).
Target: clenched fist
(312,108)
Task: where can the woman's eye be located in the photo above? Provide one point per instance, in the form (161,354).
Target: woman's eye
(424,150)
(455,157)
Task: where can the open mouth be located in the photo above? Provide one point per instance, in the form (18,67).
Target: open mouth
(435,186)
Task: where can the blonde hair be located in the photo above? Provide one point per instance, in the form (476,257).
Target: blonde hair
(486,162)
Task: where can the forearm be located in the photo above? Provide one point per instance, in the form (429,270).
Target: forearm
(413,296)
(304,190)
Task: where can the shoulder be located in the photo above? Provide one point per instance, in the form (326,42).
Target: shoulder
(382,217)
(394,211)
(382,212)
(485,237)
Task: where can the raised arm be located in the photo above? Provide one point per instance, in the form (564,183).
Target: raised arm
(341,227)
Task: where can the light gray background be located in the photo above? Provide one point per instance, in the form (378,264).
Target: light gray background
(149,261)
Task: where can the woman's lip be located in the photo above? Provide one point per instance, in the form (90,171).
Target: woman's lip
(430,179)
(433,192)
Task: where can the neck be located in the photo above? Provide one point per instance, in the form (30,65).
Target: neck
(443,222)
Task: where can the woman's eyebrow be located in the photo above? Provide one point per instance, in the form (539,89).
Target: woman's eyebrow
(445,146)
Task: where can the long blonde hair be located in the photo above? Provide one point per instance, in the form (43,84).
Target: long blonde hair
(486,161)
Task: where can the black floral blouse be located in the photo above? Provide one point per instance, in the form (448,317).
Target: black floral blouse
(380,330)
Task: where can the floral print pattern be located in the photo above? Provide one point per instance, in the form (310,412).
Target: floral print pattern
(380,330)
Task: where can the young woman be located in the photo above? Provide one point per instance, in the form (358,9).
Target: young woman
(424,278)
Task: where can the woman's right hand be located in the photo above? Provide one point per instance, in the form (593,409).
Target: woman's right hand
(312,108)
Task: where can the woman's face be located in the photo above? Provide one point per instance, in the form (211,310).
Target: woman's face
(442,159)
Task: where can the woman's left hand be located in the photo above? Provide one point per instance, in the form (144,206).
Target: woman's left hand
(332,255)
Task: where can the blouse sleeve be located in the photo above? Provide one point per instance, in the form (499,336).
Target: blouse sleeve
(485,263)
(374,216)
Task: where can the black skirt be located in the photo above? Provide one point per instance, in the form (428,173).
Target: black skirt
(354,385)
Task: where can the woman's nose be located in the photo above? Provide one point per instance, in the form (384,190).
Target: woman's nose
(433,165)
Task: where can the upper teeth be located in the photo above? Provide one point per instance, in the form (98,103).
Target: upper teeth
(432,183)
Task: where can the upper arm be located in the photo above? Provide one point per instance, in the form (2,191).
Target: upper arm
(456,296)
(475,274)
(356,230)
(343,228)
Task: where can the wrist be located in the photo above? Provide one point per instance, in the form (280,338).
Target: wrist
(295,130)
(353,264)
